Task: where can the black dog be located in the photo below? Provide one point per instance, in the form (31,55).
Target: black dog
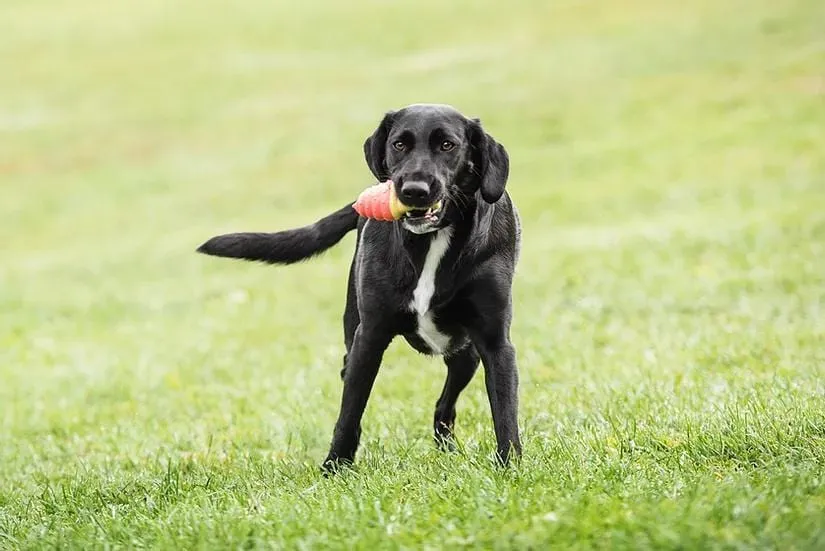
(441,276)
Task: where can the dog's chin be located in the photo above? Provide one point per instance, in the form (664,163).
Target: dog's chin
(414,226)
(421,222)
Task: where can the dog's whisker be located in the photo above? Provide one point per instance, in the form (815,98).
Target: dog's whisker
(459,199)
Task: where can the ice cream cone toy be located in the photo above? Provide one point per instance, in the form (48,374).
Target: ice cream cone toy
(379,202)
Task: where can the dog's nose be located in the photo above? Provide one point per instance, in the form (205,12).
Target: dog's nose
(415,193)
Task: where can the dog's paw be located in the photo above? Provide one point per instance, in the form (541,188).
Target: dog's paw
(509,456)
(443,437)
(335,465)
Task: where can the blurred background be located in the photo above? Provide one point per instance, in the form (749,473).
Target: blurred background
(667,158)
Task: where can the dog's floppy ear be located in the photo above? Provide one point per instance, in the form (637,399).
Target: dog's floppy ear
(375,148)
(491,164)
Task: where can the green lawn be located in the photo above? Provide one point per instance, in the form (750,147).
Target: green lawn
(668,159)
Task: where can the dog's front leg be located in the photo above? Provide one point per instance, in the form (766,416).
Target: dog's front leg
(501,378)
(363,361)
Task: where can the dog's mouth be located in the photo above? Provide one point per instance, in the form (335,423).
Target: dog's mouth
(430,213)
(423,220)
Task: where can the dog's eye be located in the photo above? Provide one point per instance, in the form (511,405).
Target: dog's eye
(447,145)
(399,145)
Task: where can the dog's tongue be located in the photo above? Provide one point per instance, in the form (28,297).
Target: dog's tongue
(379,202)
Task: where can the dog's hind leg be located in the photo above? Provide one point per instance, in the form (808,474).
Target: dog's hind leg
(461,366)
(351,317)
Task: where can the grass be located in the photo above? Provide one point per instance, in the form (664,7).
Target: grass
(668,159)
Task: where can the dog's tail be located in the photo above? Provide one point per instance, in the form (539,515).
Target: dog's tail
(285,247)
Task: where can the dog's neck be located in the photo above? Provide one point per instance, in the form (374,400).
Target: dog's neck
(466,217)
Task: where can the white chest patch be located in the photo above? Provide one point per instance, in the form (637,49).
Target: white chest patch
(424,290)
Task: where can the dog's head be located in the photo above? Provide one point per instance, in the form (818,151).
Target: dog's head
(437,158)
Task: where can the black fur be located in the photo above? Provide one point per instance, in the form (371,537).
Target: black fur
(449,158)
(285,247)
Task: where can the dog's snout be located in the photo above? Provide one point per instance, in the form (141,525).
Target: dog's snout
(415,193)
